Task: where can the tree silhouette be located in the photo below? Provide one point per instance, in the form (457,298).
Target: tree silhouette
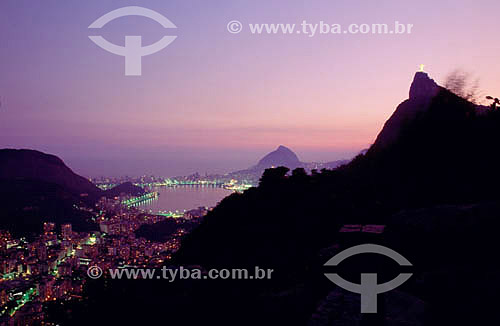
(459,82)
(273,175)
(496,102)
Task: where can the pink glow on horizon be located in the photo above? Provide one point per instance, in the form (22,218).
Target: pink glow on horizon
(214,91)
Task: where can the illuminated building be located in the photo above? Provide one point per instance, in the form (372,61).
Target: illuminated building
(48,227)
(66,231)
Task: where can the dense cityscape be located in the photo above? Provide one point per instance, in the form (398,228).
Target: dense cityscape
(52,266)
(232,182)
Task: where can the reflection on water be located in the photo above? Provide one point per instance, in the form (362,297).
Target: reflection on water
(180,198)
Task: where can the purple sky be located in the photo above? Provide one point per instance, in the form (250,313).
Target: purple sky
(213,101)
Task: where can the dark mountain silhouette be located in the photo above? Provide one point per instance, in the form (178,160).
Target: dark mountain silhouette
(36,187)
(24,164)
(282,156)
(422,91)
(127,188)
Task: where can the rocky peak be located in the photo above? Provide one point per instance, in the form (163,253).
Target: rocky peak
(423,86)
(422,90)
(281,156)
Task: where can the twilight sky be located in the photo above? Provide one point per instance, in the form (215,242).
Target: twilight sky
(213,101)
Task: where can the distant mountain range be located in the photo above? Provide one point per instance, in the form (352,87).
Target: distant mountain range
(282,156)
